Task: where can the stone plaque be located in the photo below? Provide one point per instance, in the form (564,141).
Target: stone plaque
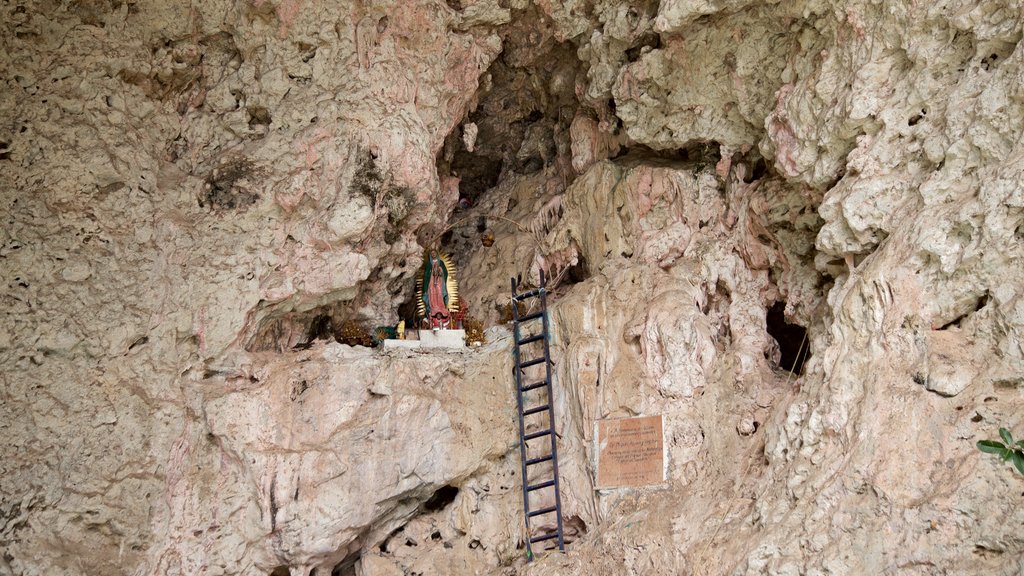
(630,452)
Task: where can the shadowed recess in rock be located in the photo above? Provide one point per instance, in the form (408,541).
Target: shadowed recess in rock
(792,339)
(521,123)
(701,153)
(440,499)
(346,567)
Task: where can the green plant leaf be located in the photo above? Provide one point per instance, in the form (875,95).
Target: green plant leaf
(1018,462)
(1005,435)
(1020,443)
(1007,453)
(991,446)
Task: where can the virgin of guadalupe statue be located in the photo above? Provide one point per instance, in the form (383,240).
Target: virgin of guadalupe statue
(437,292)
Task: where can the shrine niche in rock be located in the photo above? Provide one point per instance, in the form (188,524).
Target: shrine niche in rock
(437,293)
(439,311)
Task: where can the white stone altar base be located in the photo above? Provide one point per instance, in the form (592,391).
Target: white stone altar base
(401,343)
(443,338)
(431,339)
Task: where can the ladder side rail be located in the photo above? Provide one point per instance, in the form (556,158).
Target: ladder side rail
(522,424)
(551,411)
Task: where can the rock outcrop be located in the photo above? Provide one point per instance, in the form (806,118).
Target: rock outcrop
(794,229)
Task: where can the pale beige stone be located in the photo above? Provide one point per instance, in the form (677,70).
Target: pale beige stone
(187,185)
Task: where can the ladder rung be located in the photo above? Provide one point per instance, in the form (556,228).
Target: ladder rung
(535,385)
(530,339)
(533,362)
(538,460)
(535,409)
(529,294)
(542,511)
(533,316)
(536,434)
(541,485)
(544,537)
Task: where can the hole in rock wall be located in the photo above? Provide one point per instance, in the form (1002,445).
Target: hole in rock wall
(576,273)
(319,329)
(759,171)
(280,571)
(407,311)
(258,116)
(995,51)
(573,528)
(647,42)
(525,106)
(792,339)
(917,117)
(518,129)
(440,499)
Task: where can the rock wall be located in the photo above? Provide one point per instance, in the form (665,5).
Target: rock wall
(195,195)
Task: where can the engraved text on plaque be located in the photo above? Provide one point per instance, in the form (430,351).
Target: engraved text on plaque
(630,452)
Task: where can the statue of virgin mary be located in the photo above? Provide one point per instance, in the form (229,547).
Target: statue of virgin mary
(437,292)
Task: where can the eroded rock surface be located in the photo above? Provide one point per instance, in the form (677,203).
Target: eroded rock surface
(197,195)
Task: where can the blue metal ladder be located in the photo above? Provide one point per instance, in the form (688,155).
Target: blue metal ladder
(536,406)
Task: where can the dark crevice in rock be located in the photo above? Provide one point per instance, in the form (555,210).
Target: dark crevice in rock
(574,528)
(320,329)
(407,311)
(979,303)
(520,125)
(917,117)
(759,170)
(575,273)
(383,546)
(258,116)
(792,338)
(441,498)
(694,153)
(478,172)
(647,42)
(280,571)
(346,567)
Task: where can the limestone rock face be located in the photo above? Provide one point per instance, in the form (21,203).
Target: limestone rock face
(311,456)
(794,229)
(183,183)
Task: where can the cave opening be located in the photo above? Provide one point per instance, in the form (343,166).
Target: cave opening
(517,130)
(577,272)
(441,498)
(520,124)
(792,338)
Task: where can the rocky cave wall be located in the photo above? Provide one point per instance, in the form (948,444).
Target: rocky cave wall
(196,195)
